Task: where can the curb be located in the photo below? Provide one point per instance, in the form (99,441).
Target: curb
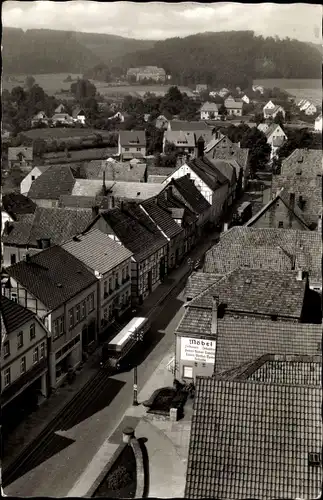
(140,470)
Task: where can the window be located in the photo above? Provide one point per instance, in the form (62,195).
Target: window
(12,258)
(314,459)
(32,331)
(91,302)
(187,372)
(14,297)
(35,355)
(126,149)
(61,325)
(71,318)
(32,177)
(6,349)
(7,377)
(20,340)
(83,309)
(78,313)
(110,284)
(280,224)
(138,149)
(116,283)
(105,288)
(23,364)
(42,350)
(123,273)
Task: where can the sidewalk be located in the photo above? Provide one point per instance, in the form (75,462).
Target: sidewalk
(33,425)
(167,444)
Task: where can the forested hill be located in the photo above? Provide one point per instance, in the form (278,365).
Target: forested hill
(229,58)
(39,51)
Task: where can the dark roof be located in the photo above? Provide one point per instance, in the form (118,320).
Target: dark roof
(191,194)
(16,204)
(77,111)
(227,168)
(135,230)
(57,224)
(208,172)
(54,182)
(259,337)
(283,196)
(224,149)
(198,282)
(257,292)
(13,315)
(177,125)
(167,200)
(132,137)
(151,170)
(84,202)
(115,171)
(53,276)
(162,217)
(252,440)
(266,248)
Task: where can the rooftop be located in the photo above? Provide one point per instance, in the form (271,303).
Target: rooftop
(276,249)
(199,282)
(25,152)
(16,204)
(242,443)
(53,276)
(308,161)
(115,171)
(97,251)
(191,194)
(177,125)
(132,137)
(162,217)
(57,180)
(257,292)
(13,315)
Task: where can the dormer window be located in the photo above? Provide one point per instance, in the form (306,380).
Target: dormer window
(300,159)
(314,459)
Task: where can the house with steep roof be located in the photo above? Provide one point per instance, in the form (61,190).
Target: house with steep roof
(282,211)
(240,456)
(21,157)
(209,181)
(62,119)
(262,248)
(271,110)
(164,220)
(13,205)
(233,106)
(245,99)
(186,126)
(78,115)
(39,118)
(63,293)
(302,162)
(53,182)
(27,181)
(24,357)
(31,233)
(131,144)
(221,148)
(275,136)
(60,109)
(129,226)
(110,263)
(209,111)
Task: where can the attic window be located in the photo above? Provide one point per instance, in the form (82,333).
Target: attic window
(248,281)
(274,317)
(300,159)
(314,459)
(59,285)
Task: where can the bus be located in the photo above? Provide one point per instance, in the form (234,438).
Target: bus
(119,353)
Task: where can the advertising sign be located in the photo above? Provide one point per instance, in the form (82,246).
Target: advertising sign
(197,350)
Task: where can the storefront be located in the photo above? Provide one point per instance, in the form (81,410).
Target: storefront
(194,357)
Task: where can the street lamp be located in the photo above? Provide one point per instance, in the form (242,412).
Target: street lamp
(137,336)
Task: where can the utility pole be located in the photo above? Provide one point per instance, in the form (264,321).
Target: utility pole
(138,337)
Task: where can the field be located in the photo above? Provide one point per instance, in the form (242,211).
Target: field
(299,88)
(51,83)
(107,90)
(64,133)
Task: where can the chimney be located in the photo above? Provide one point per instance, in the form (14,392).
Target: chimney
(214,322)
(7,227)
(225,227)
(299,275)
(95,211)
(200,147)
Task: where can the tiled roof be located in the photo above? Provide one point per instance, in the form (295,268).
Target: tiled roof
(136,190)
(13,315)
(226,167)
(162,217)
(132,137)
(62,116)
(261,337)
(17,204)
(151,170)
(310,189)
(266,248)
(156,179)
(77,111)
(242,443)
(51,184)
(272,128)
(189,191)
(309,161)
(233,104)
(210,106)
(284,197)
(90,187)
(177,125)
(167,200)
(97,251)
(224,149)
(25,151)
(53,276)
(115,171)
(198,282)
(211,144)
(180,138)
(135,230)
(85,202)
(57,224)
(209,168)
(257,292)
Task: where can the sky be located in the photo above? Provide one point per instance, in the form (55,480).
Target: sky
(157,20)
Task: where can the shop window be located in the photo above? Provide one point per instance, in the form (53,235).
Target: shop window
(20,340)
(32,331)
(187,372)
(23,365)
(7,377)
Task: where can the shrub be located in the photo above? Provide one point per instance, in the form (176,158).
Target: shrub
(119,478)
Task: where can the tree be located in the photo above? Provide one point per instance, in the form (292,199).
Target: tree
(223,111)
(279,119)
(82,89)
(170,148)
(29,82)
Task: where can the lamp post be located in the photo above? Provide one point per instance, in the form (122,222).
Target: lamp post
(137,336)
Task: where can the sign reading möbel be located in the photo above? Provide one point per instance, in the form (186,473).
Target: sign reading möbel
(197,350)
